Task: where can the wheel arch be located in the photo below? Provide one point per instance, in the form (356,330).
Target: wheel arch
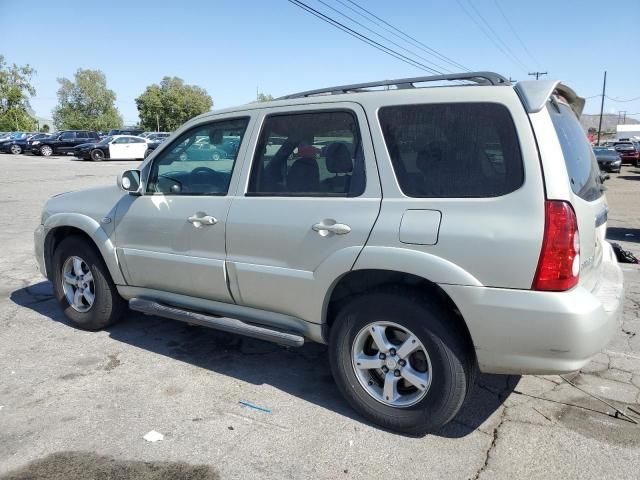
(358,282)
(62,226)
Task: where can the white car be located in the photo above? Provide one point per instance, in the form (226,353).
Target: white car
(115,147)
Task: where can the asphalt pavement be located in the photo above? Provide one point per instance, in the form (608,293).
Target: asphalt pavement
(70,399)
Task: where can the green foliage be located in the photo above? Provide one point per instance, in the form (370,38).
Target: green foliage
(45,128)
(264,97)
(86,103)
(15,90)
(170,104)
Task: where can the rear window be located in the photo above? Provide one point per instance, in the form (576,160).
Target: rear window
(624,146)
(453,150)
(581,163)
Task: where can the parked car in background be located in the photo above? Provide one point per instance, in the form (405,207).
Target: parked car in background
(629,152)
(20,145)
(125,131)
(63,142)
(116,147)
(390,252)
(157,136)
(11,139)
(609,160)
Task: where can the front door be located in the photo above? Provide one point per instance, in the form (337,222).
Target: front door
(307,209)
(172,238)
(119,148)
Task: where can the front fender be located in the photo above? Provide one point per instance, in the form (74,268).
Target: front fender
(95,231)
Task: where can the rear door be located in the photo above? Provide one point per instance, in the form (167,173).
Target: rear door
(307,209)
(588,200)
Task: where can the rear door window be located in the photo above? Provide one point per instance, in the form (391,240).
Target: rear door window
(455,150)
(582,167)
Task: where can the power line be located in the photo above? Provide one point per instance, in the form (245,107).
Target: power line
(383,37)
(362,37)
(515,33)
(506,51)
(623,101)
(402,35)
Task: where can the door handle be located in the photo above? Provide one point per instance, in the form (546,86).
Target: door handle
(338,228)
(199,221)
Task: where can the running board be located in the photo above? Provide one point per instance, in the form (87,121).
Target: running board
(225,324)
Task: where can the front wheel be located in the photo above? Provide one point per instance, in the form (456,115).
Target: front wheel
(400,361)
(46,151)
(83,286)
(97,155)
(16,149)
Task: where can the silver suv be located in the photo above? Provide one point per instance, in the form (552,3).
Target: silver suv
(423,231)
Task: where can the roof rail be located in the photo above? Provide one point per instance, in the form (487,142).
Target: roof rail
(481,78)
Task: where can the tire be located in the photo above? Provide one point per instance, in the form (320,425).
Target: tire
(16,149)
(215,156)
(146,153)
(450,360)
(97,155)
(46,151)
(107,306)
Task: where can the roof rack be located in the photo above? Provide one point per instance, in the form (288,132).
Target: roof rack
(481,78)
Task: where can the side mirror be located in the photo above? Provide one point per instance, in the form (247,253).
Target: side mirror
(129,181)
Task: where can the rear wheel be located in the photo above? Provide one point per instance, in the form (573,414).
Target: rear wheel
(97,155)
(400,361)
(83,286)
(46,150)
(16,149)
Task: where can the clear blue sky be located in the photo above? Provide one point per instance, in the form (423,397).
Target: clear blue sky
(231,47)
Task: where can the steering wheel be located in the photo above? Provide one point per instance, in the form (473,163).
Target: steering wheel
(211,178)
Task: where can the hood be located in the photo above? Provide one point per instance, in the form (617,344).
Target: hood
(96,202)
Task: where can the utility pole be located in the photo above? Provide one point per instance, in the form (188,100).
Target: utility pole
(604,86)
(537,74)
(623,114)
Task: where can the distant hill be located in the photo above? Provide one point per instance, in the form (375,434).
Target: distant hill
(609,122)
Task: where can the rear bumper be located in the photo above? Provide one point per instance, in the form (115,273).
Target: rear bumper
(525,332)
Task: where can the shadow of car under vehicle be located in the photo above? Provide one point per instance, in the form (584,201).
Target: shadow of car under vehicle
(624,234)
(303,372)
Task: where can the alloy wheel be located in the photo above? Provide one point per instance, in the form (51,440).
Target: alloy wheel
(391,364)
(78,284)
(16,149)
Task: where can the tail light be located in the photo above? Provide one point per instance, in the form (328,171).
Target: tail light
(559,264)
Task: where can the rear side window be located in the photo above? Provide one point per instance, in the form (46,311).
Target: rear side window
(457,150)
(309,154)
(582,166)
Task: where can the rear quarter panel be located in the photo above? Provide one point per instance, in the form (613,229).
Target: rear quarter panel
(496,241)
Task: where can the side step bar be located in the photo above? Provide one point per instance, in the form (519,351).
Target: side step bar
(225,324)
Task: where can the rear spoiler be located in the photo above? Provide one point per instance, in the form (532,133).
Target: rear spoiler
(535,93)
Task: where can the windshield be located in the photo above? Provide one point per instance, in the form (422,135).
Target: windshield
(105,140)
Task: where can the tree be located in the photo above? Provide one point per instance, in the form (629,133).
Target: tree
(86,103)
(45,128)
(264,97)
(15,91)
(166,106)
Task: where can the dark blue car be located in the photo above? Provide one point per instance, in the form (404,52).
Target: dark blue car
(18,142)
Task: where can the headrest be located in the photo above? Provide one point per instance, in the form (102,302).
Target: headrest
(429,157)
(338,158)
(304,175)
